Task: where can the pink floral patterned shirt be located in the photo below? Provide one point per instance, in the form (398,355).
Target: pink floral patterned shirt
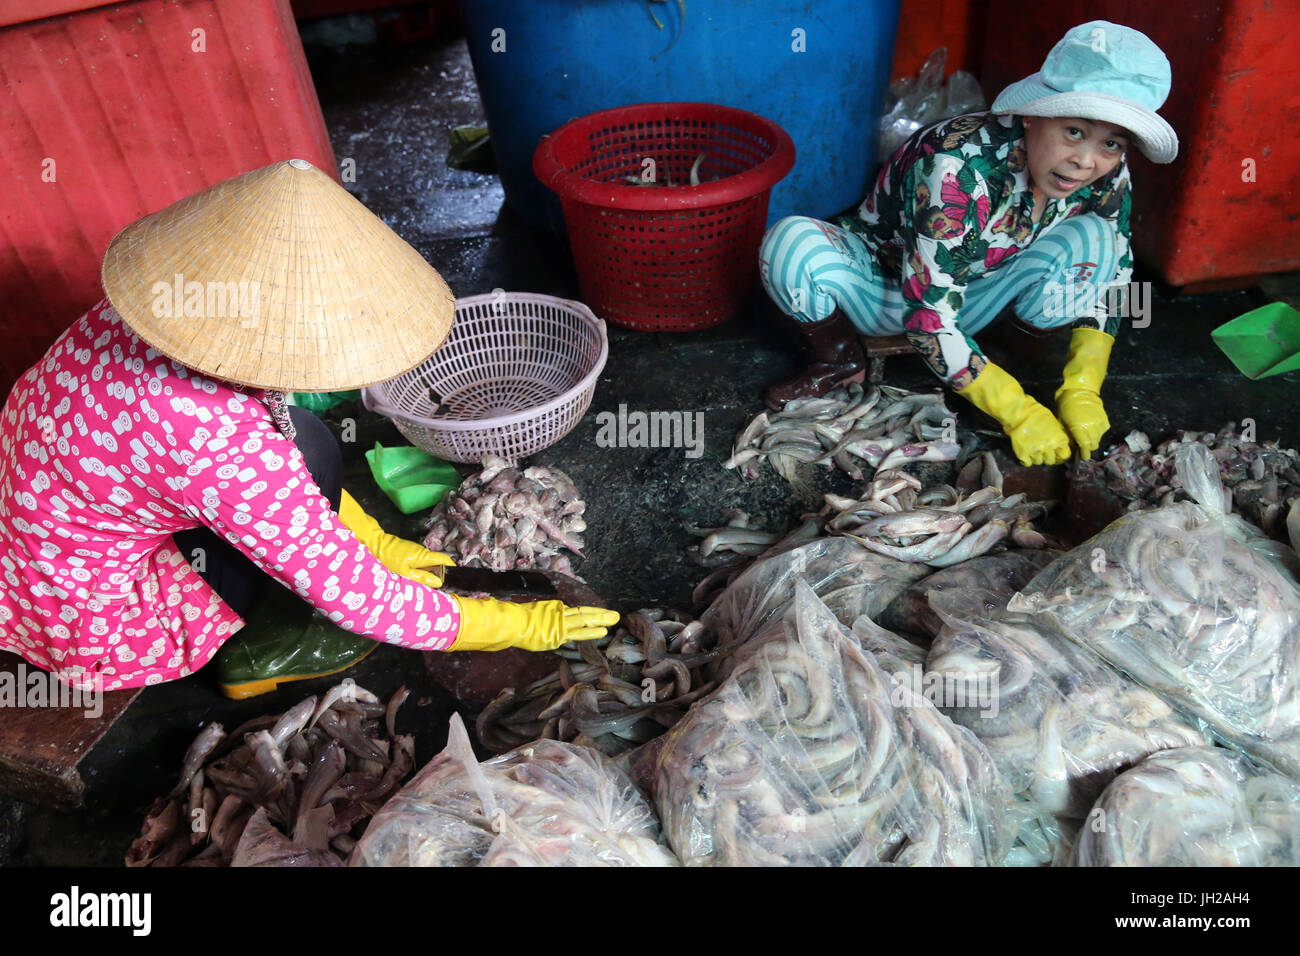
(108,447)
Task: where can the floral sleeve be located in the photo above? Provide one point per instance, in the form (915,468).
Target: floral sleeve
(943,240)
(1114,204)
(250,485)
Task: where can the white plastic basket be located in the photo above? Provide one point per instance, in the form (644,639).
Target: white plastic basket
(516,373)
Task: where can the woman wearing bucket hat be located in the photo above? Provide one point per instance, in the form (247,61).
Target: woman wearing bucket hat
(155,430)
(1026,205)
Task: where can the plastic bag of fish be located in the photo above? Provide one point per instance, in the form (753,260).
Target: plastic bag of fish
(545,804)
(503,518)
(812,754)
(1195,604)
(1057,720)
(850,579)
(997,574)
(1196,806)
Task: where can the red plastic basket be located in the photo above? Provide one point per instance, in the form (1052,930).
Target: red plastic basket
(665,258)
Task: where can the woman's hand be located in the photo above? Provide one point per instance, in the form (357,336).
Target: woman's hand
(400,556)
(1037,438)
(489,625)
(1078,400)
(412,560)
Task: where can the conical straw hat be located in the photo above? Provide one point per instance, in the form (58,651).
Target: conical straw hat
(278,279)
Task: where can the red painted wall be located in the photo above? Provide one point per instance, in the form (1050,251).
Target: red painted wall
(132,120)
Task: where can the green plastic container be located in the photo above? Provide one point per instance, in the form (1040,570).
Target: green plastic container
(318,402)
(412,479)
(1263,342)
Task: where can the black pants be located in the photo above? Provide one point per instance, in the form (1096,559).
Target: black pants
(227,570)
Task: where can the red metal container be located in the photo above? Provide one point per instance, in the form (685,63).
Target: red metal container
(1224,212)
(112,112)
(665,258)
(925,25)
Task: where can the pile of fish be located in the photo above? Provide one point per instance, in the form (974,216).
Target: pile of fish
(282,790)
(545,804)
(504,518)
(880,425)
(939,526)
(1263,478)
(1195,604)
(1197,806)
(611,694)
(1058,722)
(811,753)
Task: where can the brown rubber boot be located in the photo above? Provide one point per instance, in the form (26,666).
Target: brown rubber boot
(837,358)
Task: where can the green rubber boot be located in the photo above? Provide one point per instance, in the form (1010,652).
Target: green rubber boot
(275,654)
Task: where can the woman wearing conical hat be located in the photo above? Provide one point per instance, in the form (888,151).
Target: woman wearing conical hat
(156,427)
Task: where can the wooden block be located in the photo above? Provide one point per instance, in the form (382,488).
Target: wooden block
(41,746)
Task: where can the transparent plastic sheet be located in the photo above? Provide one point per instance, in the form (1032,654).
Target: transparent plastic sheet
(1195,604)
(1058,722)
(1042,840)
(545,804)
(1201,806)
(899,657)
(811,754)
(849,579)
(1003,574)
(1293,524)
(917,102)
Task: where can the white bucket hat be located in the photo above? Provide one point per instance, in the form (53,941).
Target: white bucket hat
(1102,71)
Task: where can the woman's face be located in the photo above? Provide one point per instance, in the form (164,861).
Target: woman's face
(1067,153)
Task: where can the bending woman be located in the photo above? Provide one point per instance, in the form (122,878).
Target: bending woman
(158,413)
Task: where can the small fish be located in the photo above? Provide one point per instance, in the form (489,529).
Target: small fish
(353,742)
(160,826)
(695,169)
(1024,535)
(926,451)
(908,523)
(736,539)
(974,544)
(920,552)
(268,765)
(199,750)
(992,473)
(329,765)
(390,712)
(292,721)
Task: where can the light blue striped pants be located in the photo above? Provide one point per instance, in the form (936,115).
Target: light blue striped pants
(809,267)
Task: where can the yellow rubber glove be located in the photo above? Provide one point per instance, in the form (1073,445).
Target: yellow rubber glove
(1078,400)
(397,554)
(1036,436)
(488,625)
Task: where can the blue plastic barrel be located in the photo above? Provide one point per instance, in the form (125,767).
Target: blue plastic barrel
(819,69)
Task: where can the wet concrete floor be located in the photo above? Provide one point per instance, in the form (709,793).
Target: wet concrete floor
(388,110)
